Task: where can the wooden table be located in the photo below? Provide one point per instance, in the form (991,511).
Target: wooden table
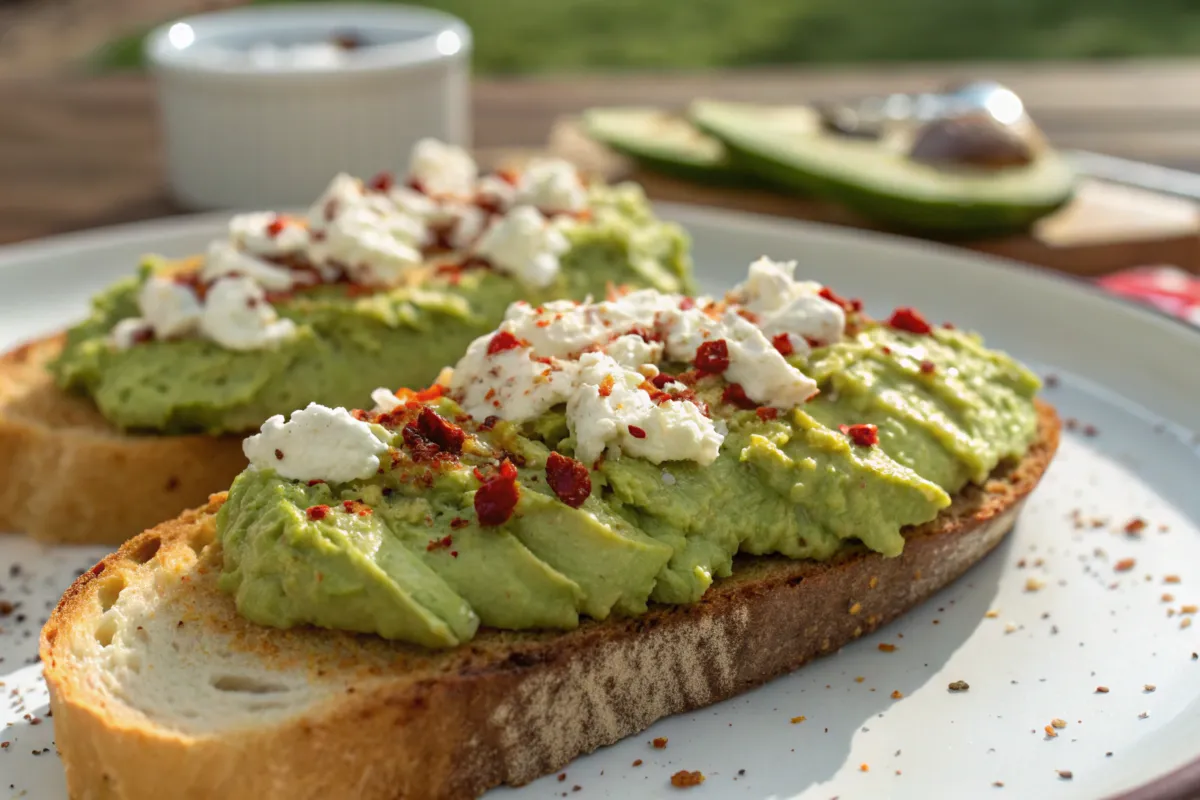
(81,152)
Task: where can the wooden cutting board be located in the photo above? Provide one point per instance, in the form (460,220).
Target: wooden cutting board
(1106,227)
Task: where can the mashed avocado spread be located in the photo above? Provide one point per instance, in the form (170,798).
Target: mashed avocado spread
(381,283)
(589,459)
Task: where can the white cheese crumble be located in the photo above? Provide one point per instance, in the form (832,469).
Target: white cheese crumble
(168,308)
(125,334)
(524,244)
(377,248)
(510,384)
(496,191)
(788,306)
(266,233)
(443,169)
(317,443)
(223,259)
(675,430)
(552,186)
(237,316)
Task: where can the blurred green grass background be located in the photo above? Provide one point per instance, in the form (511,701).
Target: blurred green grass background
(538,36)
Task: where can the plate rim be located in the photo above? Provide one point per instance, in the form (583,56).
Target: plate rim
(1181,783)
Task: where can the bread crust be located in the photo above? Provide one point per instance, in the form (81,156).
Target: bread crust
(68,476)
(400,722)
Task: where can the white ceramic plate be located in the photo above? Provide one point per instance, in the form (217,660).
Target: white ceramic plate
(1132,374)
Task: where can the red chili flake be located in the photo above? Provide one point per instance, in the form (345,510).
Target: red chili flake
(887,351)
(887,648)
(813,343)
(502,341)
(660,743)
(315,482)
(735,395)
(928,367)
(684,779)
(142,335)
(317,512)
(661,380)
(1135,526)
(382,182)
(510,176)
(419,445)
(489,422)
(437,429)
(458,522)
(686,303)
(712,357)
(278,454)
(276,226)
(606,386)
(783,343)
(766,413)
(1124,565)
(357,507)
(910,320)
(948,326)
(863,434)
(749,316)
(439,544)
(847,305)
(636,432)
(569,479)
(497,497)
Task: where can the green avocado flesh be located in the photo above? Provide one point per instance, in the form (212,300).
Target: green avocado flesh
(349,344)
(666,143)
(877,179)
(405,556)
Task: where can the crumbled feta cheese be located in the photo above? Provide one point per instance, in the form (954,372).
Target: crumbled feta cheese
(385,400)
(344,190)
(266,233)
(125,334)
(552,186)
(496,191)
(412,202)
(632,351)
(523,244)
(442,169)
(785,305)
(466,223)
(627,418)
(237,316)
(376,248)
(223,259)
(509,384)
(317,443)
(169,308)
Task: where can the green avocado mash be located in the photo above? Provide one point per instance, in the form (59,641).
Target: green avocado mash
(348,344)
(404,554)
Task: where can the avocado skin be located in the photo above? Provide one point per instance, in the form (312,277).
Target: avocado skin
(892,210)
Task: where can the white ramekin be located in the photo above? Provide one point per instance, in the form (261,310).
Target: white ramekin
(238,136)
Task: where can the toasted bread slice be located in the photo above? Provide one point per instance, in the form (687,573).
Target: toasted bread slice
(159,689)
(67,475)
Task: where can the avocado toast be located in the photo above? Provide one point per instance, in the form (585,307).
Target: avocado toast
(681,500)
(381,282)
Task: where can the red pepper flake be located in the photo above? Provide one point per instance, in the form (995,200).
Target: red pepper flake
(735,395)
(685,780)
(437,429)
(847,305)
(502,341)
(686,303)
(1135,526)
(315,482)
(316,513)
(489,422)
(356,507)
(661,380)
(864,768)
(909,320)
(636,432)
(562,776)
(928,367)
(887,648)
(439,544)
(458,522)
(276,226)
(897,694)
(767,413)
(278,454)
(887,351)
(863,434)
(712,357)
(783,343)
(569,479)
(382,182)
(606,386)
(1124,565)
(660,743)
(497,497)
(637,762)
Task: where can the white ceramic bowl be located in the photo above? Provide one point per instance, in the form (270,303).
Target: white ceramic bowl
(244,133)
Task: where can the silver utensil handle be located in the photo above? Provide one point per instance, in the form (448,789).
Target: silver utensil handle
(1165,180)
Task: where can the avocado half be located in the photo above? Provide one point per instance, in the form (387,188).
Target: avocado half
(666,143)
(788,147)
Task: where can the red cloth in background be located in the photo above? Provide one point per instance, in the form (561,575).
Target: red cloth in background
(1168,289)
